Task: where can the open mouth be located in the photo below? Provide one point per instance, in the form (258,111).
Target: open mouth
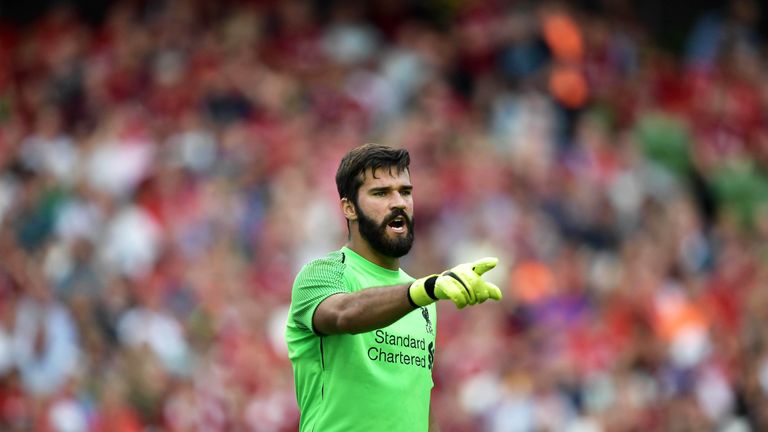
(397,224)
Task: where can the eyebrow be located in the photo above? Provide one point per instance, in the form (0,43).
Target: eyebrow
(388,188)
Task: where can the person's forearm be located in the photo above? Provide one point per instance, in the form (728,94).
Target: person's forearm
(362,311)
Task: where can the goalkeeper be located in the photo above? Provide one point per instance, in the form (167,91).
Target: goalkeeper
(361,332)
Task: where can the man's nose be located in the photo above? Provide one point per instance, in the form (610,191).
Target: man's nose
(398,201)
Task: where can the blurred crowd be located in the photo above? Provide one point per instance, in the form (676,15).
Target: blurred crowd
(166,171)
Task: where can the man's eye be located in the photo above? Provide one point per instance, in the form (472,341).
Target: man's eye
(378,193)
(406,193)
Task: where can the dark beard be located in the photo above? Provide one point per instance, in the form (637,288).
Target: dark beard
(376,234)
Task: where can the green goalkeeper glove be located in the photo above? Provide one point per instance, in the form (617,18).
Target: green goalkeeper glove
(462,284)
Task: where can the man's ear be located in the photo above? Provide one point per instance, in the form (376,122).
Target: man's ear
(348,209)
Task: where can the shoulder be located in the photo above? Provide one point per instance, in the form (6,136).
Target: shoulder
(334,260)
(331,266)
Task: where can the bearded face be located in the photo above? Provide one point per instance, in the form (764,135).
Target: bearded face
(392,236)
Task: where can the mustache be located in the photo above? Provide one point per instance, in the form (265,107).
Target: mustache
(394,214)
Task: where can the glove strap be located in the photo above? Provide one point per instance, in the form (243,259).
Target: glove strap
(410,300)
(429,287)
(455,276)
(423,290)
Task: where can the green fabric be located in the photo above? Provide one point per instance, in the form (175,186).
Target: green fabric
(741,190)
(665,140)
(374,381)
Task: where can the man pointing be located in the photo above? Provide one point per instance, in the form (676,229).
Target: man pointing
(361,331)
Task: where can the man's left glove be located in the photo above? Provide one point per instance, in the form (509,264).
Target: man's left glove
(462,284)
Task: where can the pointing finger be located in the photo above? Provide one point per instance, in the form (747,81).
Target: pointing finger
(484,264)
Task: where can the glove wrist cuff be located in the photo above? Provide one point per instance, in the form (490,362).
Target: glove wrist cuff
(422,291)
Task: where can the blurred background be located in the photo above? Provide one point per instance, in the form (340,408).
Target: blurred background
(166,167)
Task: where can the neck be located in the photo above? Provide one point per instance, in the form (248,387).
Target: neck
(362,248)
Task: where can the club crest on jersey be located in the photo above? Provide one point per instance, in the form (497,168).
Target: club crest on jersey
(425,314)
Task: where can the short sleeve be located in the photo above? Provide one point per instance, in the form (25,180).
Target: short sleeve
(314,283)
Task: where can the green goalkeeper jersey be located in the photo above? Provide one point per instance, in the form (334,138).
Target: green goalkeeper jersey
(375,381)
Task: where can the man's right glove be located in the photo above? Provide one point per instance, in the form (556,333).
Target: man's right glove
(462,284)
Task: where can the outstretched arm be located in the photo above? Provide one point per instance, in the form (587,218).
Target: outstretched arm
(362,311)
(374,308)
